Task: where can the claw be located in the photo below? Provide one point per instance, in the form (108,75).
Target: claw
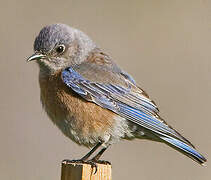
(93,165)
(94,162)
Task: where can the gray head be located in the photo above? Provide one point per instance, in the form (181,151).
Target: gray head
(58,46)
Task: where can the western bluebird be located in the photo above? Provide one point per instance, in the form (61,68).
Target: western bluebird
(92,100)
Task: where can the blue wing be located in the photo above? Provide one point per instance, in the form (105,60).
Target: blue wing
(121,100)
(132,104)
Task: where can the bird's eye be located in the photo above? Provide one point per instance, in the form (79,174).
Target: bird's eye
(60,49)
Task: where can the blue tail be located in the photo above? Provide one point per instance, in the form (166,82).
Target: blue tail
(184,148)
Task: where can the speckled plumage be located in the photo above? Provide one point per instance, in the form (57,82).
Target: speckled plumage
(91,99)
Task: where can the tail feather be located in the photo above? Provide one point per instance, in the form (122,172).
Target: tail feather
(184,148)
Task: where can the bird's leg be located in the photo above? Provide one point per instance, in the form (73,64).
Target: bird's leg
(94,160)
(91,152)
(98,155)
(84,158)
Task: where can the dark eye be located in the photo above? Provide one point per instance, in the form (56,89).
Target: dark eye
(60,49)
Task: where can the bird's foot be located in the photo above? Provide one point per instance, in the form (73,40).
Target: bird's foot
(94,163)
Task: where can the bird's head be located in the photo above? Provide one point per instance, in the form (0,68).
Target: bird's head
(58,46)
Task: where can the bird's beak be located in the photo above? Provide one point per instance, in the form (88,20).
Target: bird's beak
(36,56)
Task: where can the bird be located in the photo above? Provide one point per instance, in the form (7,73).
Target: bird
(92,100)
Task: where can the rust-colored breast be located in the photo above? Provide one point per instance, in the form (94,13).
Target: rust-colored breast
(80,118)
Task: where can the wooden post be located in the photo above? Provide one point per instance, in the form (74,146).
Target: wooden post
(82,171)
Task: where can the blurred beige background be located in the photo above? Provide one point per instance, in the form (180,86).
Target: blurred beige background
(165,45)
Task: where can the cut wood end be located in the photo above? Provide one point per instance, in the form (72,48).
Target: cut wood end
(84,171)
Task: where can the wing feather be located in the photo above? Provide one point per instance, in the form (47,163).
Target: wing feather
(122,100)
